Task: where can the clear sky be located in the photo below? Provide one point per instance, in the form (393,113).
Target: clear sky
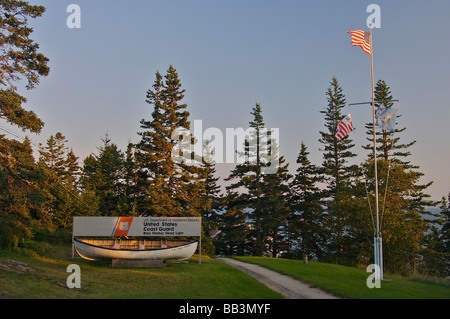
(232,54)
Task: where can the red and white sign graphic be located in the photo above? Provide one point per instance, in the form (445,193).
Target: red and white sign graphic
(123,226)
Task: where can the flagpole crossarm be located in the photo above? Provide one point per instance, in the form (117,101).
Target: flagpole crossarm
(370,103)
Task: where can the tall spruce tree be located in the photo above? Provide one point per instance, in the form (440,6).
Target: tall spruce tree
(72,170)
(23,201)
(444,233)
(337,152)
(337,171)
(388,143)
(275,196)
(130,180)
(403,203)
(169,188)
(260,196)
(211,193)
(104,175)
(445,230)
(62,179)
(307,222)
(57,158)
(211,199)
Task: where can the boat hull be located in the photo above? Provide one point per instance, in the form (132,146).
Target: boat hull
(90,251)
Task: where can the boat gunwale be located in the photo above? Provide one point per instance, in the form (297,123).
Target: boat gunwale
(190,242)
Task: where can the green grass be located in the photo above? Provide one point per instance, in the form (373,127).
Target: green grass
(211,279)
(348,282)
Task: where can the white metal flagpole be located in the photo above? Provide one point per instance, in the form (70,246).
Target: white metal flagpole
(377,238)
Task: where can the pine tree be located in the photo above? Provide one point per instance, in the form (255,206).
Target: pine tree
(24,203)
(401,211)
(62,179)
(336,152)
(103,174)
(435,259)
(444,234)
(307,222)
(388,146)
(339,175)
(402,199)
(130,180)
(234,229)
(55,155)
(211,194)
(445,230)
(275,196)
(169,188)
(263,199)
(211,199)
(19,58)
(72,170)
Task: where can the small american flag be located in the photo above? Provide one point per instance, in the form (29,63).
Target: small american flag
(344,127)
(360,38)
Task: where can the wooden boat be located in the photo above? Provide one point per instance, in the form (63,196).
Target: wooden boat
(95,249)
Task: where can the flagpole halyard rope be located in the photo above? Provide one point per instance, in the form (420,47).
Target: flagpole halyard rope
(389,168)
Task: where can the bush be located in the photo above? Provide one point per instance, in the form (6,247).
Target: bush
(8,237)
(59,236)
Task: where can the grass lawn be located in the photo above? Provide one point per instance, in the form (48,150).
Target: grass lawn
(209,280)
(350,282)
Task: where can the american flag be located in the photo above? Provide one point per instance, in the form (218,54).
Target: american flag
(360,38)
(344,127)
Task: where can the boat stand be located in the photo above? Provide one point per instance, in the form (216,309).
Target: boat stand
(137,263)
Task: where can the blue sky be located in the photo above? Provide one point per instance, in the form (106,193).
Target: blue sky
(233,54)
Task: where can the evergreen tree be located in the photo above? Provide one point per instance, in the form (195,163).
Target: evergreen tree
(261,197)
(307,222)
(19,58)
(336,152)
(402,200)
(435,259)
(339,175)
(211,199)
(130,180)
(388,146)
(444,234)
(211,194)
(233,230)
(23,202)
(169,188)
(401,211)
(103,174)
(445,230)
(72,170)
(275,193)
(62,179)
(19,174)
(54,155)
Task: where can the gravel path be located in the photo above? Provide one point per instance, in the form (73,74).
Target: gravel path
(287,286)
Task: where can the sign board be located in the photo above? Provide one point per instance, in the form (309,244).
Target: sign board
(137,226)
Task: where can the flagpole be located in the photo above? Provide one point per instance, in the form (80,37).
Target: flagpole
(377,238)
